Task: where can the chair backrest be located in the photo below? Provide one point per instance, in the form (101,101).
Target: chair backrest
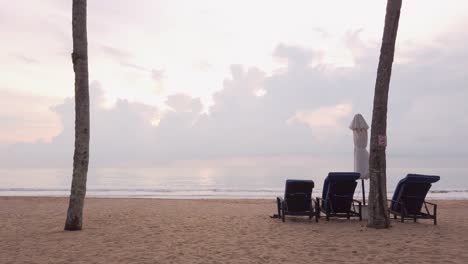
(298,195)
(412,191)
(338,190)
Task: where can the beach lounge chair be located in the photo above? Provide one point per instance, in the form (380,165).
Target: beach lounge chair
(337,196)
(297,200)
(408,200)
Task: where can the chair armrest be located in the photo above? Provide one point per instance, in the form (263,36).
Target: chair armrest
(280,199)
(434,207)
(433,204)
(356,201)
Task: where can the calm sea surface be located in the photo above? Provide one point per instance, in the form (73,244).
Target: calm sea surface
(232,180)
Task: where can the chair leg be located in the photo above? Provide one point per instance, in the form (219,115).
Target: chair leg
(278,205)
(317,212)
(435,215)
(317,209)
(394,216)
(283,217)
(360,212)
(415,219)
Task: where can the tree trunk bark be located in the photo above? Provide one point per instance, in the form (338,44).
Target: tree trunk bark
(81,155)
(378,209)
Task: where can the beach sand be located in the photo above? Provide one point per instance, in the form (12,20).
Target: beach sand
(217,231)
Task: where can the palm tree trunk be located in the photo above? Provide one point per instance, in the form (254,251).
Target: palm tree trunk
(81,156)
(378,209)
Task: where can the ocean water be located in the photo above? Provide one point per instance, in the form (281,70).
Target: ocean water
(264,180)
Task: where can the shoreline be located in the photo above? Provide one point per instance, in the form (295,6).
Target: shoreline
(202,197)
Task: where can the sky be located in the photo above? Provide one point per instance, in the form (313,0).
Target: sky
(229,80)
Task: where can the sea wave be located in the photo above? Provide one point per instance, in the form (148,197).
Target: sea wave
(168,190)
(195,193)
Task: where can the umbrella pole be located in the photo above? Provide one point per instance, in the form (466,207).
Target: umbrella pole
(363,193)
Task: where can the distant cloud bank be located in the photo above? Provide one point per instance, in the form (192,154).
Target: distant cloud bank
(302,109)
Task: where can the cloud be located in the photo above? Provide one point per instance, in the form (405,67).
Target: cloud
(26,118)
(134,66)
(119,134)
(295,56)
(184,103)
(305,110)
(203,66)
(157,75)
(25,59)
(324,117)
(116,53)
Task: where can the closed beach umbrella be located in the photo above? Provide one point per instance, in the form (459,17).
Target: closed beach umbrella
(361,155)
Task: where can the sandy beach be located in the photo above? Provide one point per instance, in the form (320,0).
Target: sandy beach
(217,231)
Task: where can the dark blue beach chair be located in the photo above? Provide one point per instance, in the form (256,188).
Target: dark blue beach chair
(297,200)
(337,196)
(408,200)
